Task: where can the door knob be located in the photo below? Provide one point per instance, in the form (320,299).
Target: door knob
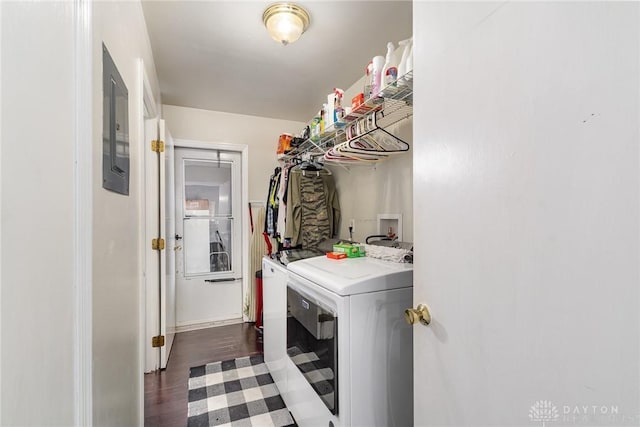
(420,313)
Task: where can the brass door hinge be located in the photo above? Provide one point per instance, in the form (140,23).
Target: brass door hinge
(157,341)
(157,146)
(157,244)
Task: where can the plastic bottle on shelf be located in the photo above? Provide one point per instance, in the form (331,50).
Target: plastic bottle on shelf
(368,72)
(328,111)
(409,64)
(376,81)
(338,111)
(402,67)
(390,70)
(315,129)
(323,117)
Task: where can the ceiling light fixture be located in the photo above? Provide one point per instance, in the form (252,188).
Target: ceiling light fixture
(285,22)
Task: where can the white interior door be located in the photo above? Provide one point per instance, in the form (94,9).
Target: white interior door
(152,259)
(168,285)
(160,264)
(209,225)
(526,199)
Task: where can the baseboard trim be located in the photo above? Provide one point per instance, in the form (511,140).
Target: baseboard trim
(205,325)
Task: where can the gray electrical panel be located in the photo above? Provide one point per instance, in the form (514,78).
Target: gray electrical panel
(115,128)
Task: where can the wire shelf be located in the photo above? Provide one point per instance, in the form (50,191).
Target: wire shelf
(393,104)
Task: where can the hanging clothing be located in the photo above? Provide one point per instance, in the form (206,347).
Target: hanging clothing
(271,218)
(282,199)
(313,210)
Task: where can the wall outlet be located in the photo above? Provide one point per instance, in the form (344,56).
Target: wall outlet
(352,224)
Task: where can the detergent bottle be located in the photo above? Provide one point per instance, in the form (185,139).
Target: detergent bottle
(402,68)
(378,65)
(390,70)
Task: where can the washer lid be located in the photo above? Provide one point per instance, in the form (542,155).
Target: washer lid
(349,276)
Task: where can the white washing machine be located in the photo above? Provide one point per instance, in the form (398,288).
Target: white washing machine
(350,352)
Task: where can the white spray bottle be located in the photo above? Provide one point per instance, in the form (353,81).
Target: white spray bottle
(402,68)
(389,71)
(409,64)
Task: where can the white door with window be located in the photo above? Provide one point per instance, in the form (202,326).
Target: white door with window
(526,202)
(209,232)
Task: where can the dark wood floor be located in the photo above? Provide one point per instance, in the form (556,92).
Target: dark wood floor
(165,392)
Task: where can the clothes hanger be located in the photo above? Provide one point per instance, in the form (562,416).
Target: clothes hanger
(335,156)
(308,166)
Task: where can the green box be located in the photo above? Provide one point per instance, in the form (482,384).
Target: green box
(353,250)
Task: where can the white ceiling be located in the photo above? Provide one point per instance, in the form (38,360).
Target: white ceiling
(217,55)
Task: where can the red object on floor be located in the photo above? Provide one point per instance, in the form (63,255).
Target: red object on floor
(258,298)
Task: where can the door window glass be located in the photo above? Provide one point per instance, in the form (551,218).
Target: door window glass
(208,216)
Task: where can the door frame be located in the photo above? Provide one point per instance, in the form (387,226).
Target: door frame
(83,215)
(243,149)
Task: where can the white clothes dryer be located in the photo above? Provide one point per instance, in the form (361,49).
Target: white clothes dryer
(350,351)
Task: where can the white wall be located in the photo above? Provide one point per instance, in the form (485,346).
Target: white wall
(116,266)
(259,133)
(366,190)
(527,171)
(387,187)
(38,91)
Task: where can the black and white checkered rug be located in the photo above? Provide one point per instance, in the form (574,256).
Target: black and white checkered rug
(317,374)
(235,393)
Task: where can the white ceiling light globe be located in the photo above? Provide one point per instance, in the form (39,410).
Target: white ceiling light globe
(285,22)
